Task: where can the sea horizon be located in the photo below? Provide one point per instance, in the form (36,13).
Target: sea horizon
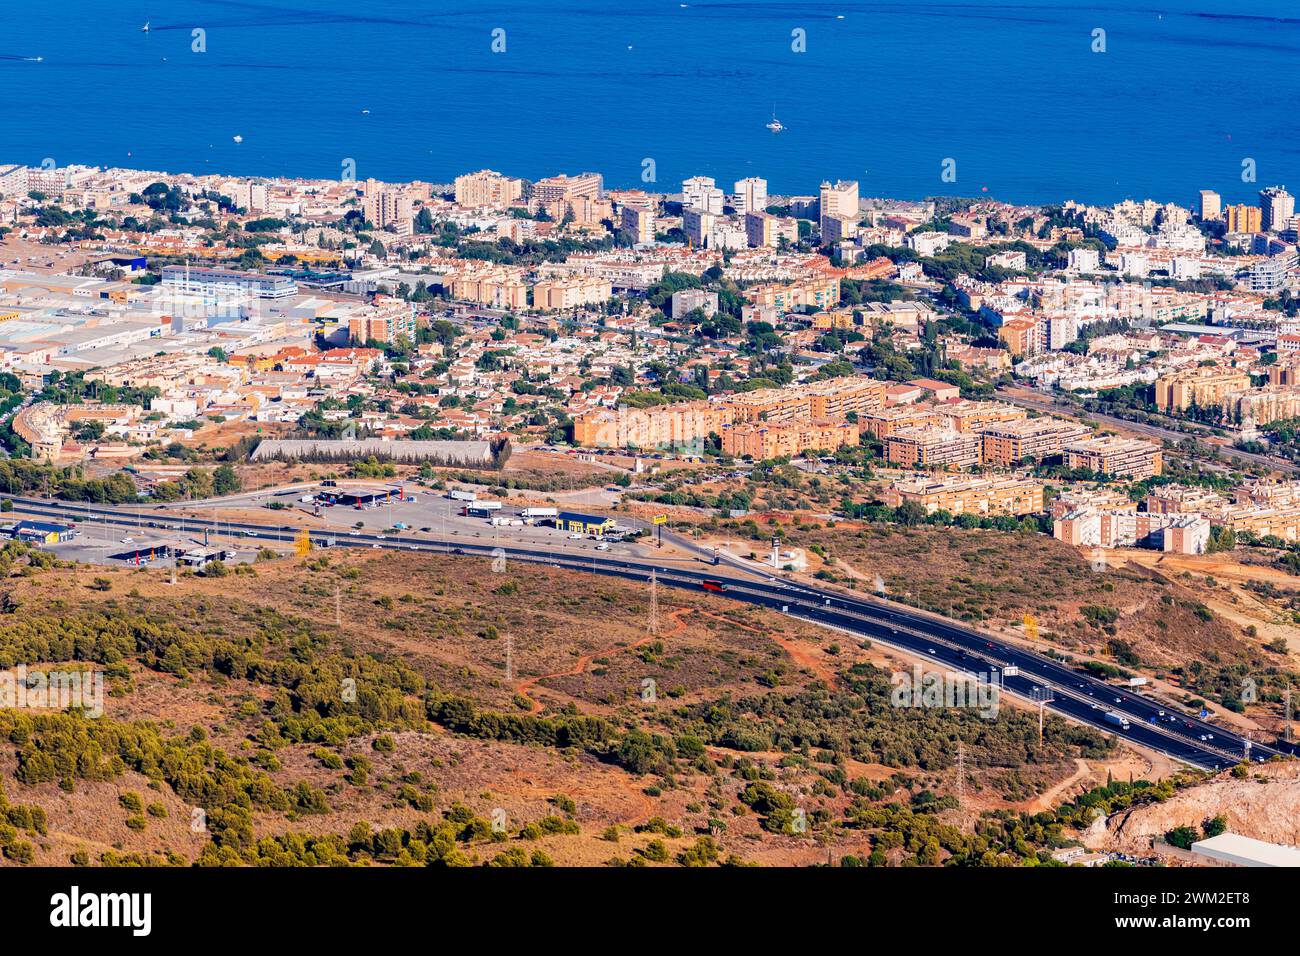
(1032,113)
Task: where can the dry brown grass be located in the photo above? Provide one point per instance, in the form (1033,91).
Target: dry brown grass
(575,642)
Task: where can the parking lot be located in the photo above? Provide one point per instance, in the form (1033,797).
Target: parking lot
(431,513)
(146,546)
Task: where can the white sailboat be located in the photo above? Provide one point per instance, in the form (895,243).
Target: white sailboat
(775,126)
(145,28)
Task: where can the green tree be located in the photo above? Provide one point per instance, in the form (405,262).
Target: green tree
(225,481)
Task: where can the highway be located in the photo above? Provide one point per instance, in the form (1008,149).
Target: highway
(950,644)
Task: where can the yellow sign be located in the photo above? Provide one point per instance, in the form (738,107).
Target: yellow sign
(660,519)
(1031,627)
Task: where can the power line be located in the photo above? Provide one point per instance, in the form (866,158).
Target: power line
(654,602)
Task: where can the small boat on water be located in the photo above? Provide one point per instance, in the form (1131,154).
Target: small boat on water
(775,126)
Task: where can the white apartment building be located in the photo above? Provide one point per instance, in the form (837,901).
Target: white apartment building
(1083,260)
(1277,206)
(838,201)
(701,192)
(751,195)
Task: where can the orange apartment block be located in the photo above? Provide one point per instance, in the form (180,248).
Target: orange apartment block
(837,319)
(832,398)
(488,188)
(884,422)
(553,294)
(1111,455)
(770,405)
(814,406)
(971,417)
(499,288)
(1020,335)
(932,447)
(974,494)
(662,426)
(835,398)
(1006,444)
(1243,218)
(821,292)
(761,440)
(1206,387)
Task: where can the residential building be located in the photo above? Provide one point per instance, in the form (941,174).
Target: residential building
(751,195)
(884,422)
(932,447)
(1243,218)
(388,208)
(678,425)
(638,223)
(1032,439)
(1205,386)
(1277,206)
(499,287)
(698,226)
(568,188)
(972,417)
(1211,205)
(1083,260)
(387,321)
(1262,406)
(1112,455)
(820,292)
(968,494)
(701,192)
(488,188)
(765,440)
(837,398)
(572,293)
(1021,335)
(688,300)
(829,400)
(838,201)
(762,229)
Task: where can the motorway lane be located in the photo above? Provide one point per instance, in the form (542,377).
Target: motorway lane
(965,649)
(1227,746)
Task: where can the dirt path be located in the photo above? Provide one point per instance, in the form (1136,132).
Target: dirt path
(801,655)
(1049,798)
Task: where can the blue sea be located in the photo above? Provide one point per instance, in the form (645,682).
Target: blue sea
(882,92)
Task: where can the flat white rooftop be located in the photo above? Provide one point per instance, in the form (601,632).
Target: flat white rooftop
(1237,850)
